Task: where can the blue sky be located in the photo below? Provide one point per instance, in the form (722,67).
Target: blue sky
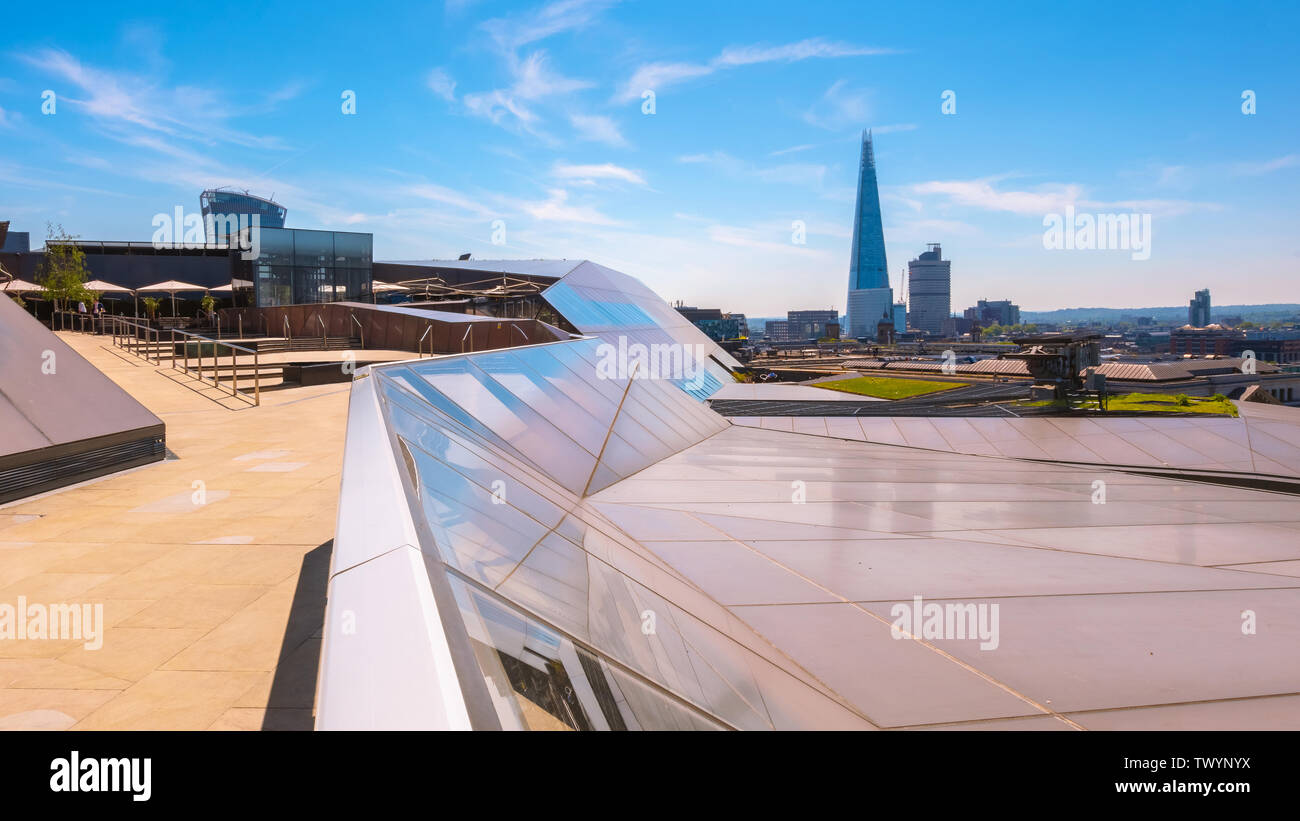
(474,111)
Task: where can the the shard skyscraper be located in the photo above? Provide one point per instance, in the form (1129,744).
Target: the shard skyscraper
(870,298)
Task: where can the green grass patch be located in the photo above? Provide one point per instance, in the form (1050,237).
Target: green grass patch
(1150,403)
(884,387)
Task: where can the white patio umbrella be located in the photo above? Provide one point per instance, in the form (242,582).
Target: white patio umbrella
(19,286)
(106,287)
(171,286)
(102,287)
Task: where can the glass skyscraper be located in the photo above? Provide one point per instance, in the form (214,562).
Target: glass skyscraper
(218,201)
(870,298)
(929,290)
(1198,310)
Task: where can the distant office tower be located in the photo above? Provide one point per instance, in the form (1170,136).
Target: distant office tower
(929,290)
(778,330)
(900,317)
(994,312)
(223,202)
(811,324)
(1198,310)
(870,296)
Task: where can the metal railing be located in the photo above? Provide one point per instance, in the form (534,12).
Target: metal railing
(126,335)
(361,329)
(76,321)
(235,351)
(419,346)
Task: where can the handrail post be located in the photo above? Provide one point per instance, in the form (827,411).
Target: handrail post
(257,379)
(420,345)
(361,329)
(234,373)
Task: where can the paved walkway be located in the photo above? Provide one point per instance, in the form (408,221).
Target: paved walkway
(210,566)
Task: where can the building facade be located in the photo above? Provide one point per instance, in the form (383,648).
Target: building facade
(224,202)
(298,265)
(1198,310)
(812,324)
(995,312)
(900,317)
(294,266)
(1282,347)
(869,296)
(929,291)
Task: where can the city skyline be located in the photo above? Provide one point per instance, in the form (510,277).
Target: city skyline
(531,117)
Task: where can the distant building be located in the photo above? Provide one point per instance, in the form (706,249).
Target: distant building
(1282,347)
(997,312)
(696,314)
(778,330)
(929,290)
(225,202)
(900,318)
(16,242)
(955,326)
(715,324)
(1198,310)
(870,296)
(812,324)
(885,331)
(1207,340)
(803,326)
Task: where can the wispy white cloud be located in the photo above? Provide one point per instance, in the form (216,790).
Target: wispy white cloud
(447,196)
(984,194)
(841,107)
(511,33)
(558,209)
(1267,167)
(658,75)
(440,83)
(764,241)
(597,128)
(132,103)
(791,150)
(805,174)
(592,173)
(533,80)
(9,119)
